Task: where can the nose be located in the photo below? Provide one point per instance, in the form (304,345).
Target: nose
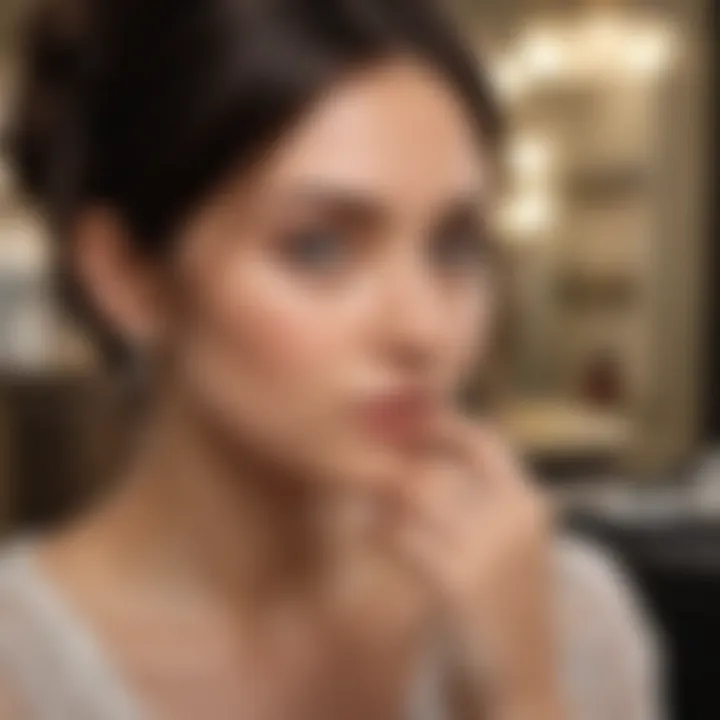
(411,317)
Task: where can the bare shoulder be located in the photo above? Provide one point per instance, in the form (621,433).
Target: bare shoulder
(611,646)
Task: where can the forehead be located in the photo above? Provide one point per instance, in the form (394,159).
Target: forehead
(396,130)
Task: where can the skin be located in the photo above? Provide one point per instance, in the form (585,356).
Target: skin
(285,536)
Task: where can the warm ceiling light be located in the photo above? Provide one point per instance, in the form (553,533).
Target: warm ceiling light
(530,158)
(543,54)
(527,216)
(509,77)
(650,52)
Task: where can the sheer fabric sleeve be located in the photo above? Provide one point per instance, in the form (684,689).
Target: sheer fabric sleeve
(612,661)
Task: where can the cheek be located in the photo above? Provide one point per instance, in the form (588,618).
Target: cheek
(279,331)
(272,366)
(263,337)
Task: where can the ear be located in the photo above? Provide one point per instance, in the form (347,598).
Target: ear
(123,286)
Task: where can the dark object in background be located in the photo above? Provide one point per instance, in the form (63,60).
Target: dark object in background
(603,382)
(711,398)
(55,434)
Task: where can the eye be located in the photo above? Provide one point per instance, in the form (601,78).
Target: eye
(316,249)
(460,248)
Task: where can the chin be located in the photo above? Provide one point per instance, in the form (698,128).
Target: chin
(367,466)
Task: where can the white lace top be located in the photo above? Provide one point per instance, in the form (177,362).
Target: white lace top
(52,668)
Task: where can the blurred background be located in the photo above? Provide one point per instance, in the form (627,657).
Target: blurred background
(609,219)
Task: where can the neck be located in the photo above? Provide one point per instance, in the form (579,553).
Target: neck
(194,515)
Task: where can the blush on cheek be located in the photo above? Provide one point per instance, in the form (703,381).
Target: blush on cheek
(281,336)
(285,342)
(260,365)
(257,339)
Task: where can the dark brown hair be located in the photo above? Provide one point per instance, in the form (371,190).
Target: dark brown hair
(145,105)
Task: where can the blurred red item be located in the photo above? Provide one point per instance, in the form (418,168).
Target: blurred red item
(603,384)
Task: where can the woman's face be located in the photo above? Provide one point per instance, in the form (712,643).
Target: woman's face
(334,300)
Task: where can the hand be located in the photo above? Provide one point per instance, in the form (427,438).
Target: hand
(480,535)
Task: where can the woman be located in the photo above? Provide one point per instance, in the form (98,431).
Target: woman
(277,211)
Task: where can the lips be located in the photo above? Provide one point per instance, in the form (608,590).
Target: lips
(399,416)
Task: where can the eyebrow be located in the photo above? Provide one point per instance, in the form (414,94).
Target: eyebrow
(363,207)
(350,203)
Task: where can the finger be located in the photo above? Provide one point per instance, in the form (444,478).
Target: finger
(495,466)
(434,562)
(441,497)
